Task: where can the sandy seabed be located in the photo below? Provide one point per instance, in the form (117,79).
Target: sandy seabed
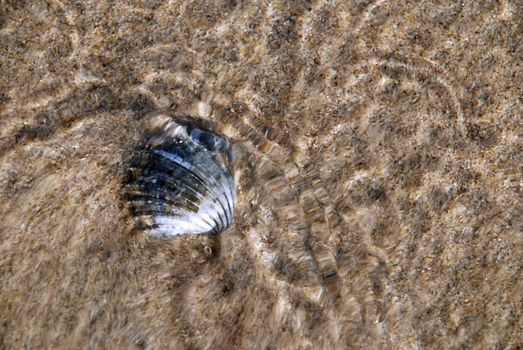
(379,173)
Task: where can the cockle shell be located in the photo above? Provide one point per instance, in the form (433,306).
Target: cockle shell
(181,181)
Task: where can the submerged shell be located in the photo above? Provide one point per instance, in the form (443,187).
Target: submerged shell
(181,181)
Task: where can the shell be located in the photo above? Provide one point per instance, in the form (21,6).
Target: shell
(181,181)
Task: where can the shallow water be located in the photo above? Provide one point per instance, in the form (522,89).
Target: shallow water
(378,152)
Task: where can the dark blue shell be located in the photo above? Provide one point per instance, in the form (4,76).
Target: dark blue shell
(181,181)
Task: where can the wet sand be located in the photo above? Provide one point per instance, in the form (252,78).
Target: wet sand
(378,162)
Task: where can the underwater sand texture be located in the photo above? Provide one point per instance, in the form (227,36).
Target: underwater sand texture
(378,170)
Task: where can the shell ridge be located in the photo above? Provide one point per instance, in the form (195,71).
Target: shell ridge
(219,182)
